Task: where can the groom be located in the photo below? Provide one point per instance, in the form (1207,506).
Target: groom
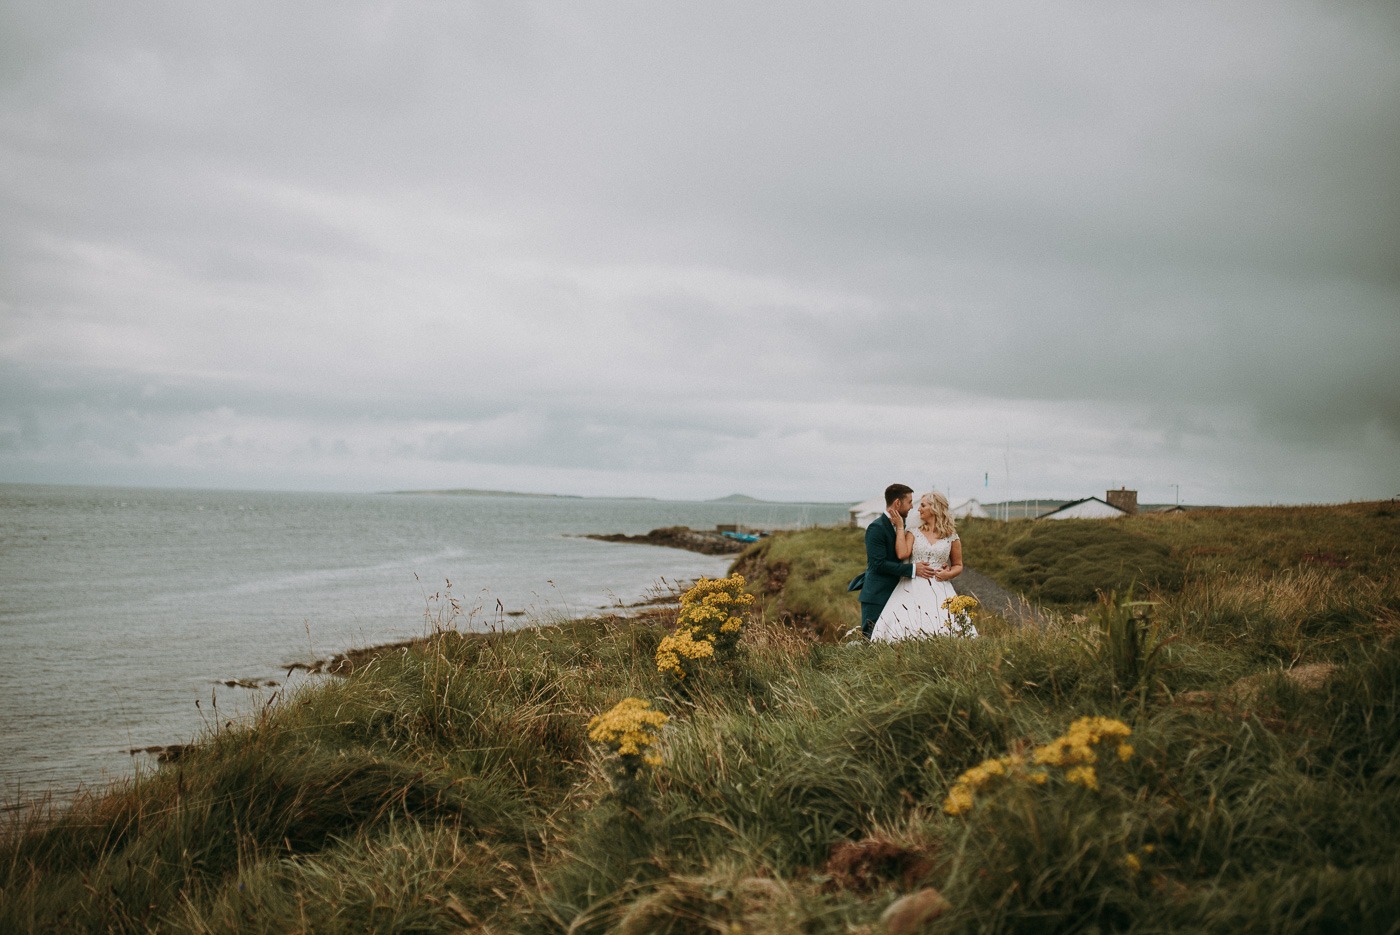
(883,568)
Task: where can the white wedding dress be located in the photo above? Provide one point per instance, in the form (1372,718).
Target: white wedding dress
(915,608)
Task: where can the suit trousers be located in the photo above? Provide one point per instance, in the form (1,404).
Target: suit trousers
(869,613)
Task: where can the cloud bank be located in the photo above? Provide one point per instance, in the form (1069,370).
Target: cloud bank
(621,248)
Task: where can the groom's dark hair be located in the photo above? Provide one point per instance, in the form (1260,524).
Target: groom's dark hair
(894,491)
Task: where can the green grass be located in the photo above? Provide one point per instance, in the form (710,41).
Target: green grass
(450,786)
(804,575)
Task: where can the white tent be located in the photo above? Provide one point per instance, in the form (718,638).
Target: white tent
(1088,508)
(863,514)
(970,508)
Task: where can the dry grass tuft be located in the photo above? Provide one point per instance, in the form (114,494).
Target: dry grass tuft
(866,865)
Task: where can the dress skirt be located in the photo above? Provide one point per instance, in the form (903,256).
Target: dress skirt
(915,609)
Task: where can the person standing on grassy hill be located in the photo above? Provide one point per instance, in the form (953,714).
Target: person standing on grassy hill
(888,547)
(918,606)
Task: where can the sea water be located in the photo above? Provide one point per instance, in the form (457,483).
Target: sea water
(123,611)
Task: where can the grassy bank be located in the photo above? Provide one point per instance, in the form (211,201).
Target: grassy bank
(802,786)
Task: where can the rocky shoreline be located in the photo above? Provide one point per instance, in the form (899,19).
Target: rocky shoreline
(680,537)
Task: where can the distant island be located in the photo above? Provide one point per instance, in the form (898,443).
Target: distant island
(472,492)
(734,498)
(745,498)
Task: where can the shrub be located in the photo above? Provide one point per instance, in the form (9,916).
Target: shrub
(708,626)
(1069,561)
(629,731)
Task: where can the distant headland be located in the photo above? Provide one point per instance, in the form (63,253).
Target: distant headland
(737,498)
(473,492)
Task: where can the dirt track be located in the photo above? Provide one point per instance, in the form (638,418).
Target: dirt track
(1008,605)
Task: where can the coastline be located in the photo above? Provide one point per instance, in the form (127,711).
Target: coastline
(659,608)
(678,537)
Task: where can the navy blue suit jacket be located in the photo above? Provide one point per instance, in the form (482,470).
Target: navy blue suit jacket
(883,569)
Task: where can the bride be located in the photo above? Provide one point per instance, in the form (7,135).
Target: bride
(916,606)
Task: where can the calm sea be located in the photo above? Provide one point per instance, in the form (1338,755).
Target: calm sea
(123,608)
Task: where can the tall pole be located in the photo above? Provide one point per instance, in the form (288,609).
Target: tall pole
(1006,463)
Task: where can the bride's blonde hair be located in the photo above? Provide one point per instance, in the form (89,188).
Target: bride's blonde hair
(942,526)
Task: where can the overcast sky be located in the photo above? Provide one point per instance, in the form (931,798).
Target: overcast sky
(794,249)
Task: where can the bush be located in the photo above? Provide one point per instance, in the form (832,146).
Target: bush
(1069,561)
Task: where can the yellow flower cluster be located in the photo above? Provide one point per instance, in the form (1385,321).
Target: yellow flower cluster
(1076,746)
(960,610)
(713,602)
(1073,751)
(630,729)
(681,645)
(1134,862)
(709,622)
(963,794)
(1083,776)
(962,604)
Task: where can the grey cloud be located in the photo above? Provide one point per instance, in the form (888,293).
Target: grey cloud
(30,391)
(1173,209)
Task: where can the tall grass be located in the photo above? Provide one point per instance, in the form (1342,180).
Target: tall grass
(450,785)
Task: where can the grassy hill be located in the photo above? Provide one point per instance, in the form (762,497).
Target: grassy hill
(804,786)
(803,576)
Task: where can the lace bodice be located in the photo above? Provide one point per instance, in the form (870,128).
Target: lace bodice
(935,553)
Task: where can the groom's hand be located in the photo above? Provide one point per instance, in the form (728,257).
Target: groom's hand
(923,570)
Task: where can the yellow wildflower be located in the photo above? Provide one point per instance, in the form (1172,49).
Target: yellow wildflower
(1083,776)
(974,780)
(959,800)
(1073,751)
(1076,746)
(681,645)
(629,728)
(960,610)
(1134,862)
(709,623)
(718,591)
(962,604)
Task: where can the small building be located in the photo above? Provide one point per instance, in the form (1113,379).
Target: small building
(1022,509)
(867,512)
(863,514)
(970,508)
(1088,508)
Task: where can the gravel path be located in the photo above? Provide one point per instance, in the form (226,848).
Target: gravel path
(1011,607)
